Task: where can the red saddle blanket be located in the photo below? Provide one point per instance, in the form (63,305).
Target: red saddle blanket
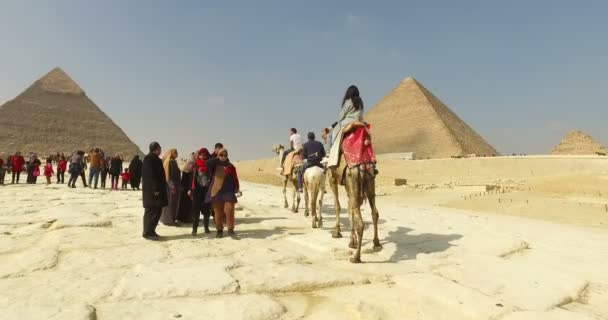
(357,147)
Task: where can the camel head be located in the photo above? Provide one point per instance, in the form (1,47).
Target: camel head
(278,148)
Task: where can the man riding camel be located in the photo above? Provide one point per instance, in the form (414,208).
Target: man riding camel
(295,143)
(313,152)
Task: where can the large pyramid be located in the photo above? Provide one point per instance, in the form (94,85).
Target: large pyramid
(412,119)
(55,115)
(578,143)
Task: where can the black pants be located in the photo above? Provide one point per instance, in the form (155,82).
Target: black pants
(84,179)
(2,174)
(72,181)
(16,174)
(114,181)
(60,176)
(199,206)
(104,176)
(151,218)
(125,185)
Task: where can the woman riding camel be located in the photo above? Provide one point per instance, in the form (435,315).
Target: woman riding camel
(223,191)
(351,111)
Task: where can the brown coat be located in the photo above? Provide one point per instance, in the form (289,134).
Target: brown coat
(95,160)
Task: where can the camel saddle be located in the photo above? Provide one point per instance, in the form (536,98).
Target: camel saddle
(356,150)
(293,160)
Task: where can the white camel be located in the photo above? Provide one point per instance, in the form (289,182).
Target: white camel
(314,188)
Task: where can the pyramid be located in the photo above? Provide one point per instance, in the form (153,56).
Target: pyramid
(411,119)
(578,143)
(55,115)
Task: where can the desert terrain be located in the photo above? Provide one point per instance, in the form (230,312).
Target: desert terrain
(481,238)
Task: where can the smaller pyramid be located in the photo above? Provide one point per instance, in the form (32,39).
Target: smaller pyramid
(576,142)
(411,119)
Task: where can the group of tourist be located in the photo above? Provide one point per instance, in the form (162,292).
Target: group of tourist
(76,165)
(207,184)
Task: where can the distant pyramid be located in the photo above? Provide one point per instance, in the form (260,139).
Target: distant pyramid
(412,119)
(578,143)
(55,115)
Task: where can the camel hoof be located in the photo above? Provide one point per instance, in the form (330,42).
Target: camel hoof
(352,245)
(306,214)
(294,210)
(377,247)
(336,235)
(314,226)
(355,260)
(286,206)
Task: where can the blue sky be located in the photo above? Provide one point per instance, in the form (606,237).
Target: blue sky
(190,73)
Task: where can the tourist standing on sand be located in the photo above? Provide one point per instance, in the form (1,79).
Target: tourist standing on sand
(184,211)
(2,170)
(115,170)
(48,170)
(222,192)
(61,167)
(94,167)
(34,169)
(17,162)
(135,170)
(198,189)
(154,191)
(105,168)
(173,177)
(126,178)
(76,165)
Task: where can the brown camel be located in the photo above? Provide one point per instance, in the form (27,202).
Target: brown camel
(291,177)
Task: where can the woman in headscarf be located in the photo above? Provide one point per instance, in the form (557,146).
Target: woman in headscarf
(223,191)
(184,212)
(172,174)
(198,190)
(135,171)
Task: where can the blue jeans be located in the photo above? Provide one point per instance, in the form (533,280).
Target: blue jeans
(94,173)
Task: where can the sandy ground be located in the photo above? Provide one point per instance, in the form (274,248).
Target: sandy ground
(78,254)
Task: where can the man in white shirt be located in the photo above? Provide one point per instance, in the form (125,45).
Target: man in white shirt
(295,143)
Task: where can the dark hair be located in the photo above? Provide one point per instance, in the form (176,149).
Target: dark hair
(219,145)
(294,130)
(311,136)
(154,146)
(49,160)
(352,94)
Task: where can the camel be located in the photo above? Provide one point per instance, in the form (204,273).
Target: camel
(314,184)
(291,177)
(360,185)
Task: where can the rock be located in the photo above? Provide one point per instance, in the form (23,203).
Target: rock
(400,182)
(84,312)
(30,260)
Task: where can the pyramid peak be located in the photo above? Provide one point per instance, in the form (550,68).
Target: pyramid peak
(410,80)
(59,82)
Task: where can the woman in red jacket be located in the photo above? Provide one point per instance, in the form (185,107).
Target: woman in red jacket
(17,163)
(62,165)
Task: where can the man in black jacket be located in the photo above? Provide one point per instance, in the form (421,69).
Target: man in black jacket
(313,152)
(154,190)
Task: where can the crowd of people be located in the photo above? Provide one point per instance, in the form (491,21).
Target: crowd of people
(208,184)
(99,168)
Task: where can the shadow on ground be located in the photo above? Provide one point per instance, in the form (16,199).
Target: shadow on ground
(409,246)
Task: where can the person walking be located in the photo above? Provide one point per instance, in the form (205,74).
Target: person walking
(115,170)
(222,192)
(198,187)
(94,167)
(135,171)
(172,176)
(76,164)
(154,191)
(48,170)
(17,162)
(61,168)
(34,169)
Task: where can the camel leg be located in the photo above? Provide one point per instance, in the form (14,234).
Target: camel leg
(297,193)
(333,184)
(285,192)
(321,193)
(359,229)
(294,208)
(306,198)
(370,185)
(352,188)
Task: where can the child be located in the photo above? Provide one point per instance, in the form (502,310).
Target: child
(48,170)
(126,177)
(61,168)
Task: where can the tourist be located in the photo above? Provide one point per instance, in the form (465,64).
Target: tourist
(17,162)
(173,177)
(135,170)
(105,167)
(350,111)
(326,136)
(83,157)
(76,164)
(154,191)
(61,167)
(184,211)
(218,146)
(126,178)
(198,188)
(222,192)
(95,160)
(115,170)
(34,171)
(295,143)
(48,170)
(2,170)
(312,153)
